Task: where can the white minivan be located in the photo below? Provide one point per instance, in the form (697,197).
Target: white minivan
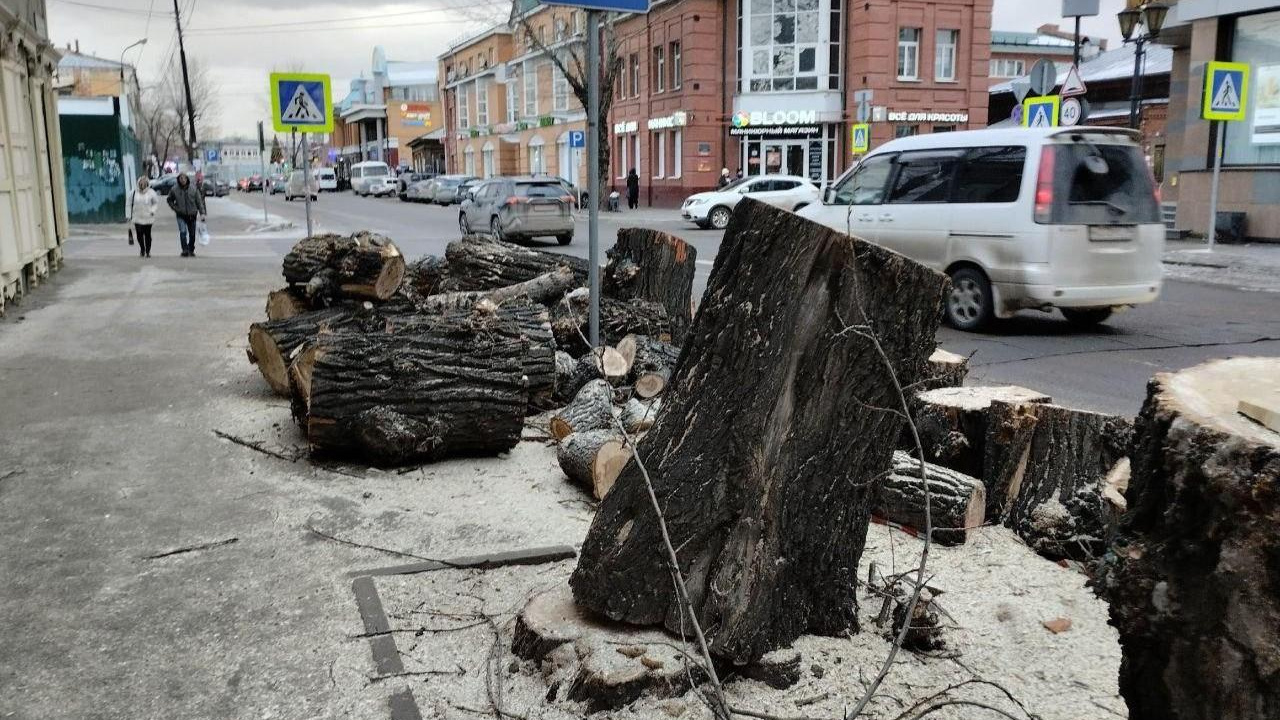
(372,178)
(326,179)
(1065,218)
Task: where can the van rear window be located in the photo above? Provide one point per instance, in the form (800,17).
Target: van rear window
(1102,185)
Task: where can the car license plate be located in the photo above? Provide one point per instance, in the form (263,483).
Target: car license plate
(1111,233)
(546,208)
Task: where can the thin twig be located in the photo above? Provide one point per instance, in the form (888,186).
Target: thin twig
(350,543)
(965,703)
(191,548)
(255,445)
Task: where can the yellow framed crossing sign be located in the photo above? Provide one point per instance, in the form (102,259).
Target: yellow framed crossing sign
(860,138)
(1226,91)
(1041,111)
(301,101)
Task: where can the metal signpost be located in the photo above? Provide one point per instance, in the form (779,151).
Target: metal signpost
(262,163)
(1226,92)
(593,8)
(301,102)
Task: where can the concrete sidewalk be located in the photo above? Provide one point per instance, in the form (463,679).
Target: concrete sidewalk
(228,218)
(1248,267)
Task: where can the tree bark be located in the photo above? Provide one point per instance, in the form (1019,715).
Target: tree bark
(565,368)
(428,275)
(618,319)
(593,459)
(952,423)
(637,416)
(946,369)
(652,265)
(654,362)
(1053,498)
(285,303)
(957,502)
(1193,579)
(448,385)
(591,409)
(272,344)
(545,288)
(766,491)
(477,262)
(365,266)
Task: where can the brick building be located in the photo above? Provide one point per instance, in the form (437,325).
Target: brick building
(761,86)
(381,114)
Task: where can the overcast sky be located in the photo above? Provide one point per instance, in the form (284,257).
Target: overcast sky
(241,41)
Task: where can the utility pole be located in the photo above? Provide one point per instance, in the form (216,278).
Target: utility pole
(186,84)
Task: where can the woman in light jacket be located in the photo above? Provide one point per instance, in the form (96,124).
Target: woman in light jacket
(187,203)
(142,213)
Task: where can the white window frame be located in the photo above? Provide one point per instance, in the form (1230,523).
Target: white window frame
(486,158)
(635,74)
(908,60)
(623,144)
(677,154)
(659,140)
(659,69)
(559,89)
(464,107)
(482,102)
(469,161)
(635,152)
(757,11)
(537,157)
(945,53)
(513,102)
(677,65)
(529,76)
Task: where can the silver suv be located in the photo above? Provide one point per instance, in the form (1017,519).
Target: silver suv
(518,208)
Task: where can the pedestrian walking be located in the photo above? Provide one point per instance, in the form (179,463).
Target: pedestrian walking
(143,206)
(633,189)
(724,178)
(187,203)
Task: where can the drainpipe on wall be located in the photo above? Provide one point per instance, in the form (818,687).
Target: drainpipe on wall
(642,131)
(724,83)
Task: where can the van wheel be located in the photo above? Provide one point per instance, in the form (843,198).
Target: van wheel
(1086,317)
(463,225)
(564,239)
(719,217)
(968,306)
(495,229)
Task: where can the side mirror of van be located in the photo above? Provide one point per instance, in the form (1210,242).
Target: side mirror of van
(828,195)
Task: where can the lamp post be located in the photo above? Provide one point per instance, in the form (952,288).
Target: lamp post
(141,42)
(1150,18)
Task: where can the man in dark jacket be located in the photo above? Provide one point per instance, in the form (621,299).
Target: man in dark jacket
(633,189)
(187,202)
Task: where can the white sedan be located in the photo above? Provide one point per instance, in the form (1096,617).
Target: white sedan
(712,209)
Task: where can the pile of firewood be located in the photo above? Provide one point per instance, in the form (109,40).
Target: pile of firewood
(390,363)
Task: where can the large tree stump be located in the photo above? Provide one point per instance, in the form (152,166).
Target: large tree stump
(1193,578)
(957,502)
(272,344)
(454,384)
(946,369)
(365,266)
(1049,464)
(767,450)
(478,262)
(652,265)
(952,423)
(618,318)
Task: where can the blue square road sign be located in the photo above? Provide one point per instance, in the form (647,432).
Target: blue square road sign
(1226,91)
(577,138)
(301,101)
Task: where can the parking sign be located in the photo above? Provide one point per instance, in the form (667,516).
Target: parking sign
(577,138)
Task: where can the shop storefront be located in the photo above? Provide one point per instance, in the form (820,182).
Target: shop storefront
(792,142)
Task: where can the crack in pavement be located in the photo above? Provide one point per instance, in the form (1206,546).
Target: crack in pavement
(1105,351)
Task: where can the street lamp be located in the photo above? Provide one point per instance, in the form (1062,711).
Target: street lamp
(143,41)
(1150,15)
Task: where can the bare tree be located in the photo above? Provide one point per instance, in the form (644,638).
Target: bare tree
(568,53)
(204,102)
(160,125)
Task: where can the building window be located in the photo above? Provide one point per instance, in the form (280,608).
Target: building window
(536,163)
(1256,141)
(909,54)
(658,146)
(621,156)
(901,131)
(659,69)
(560,89)
(469,161)
(464,109)
(784,41)
(1004,68)
(677,68)
(530,90)
(635,74)
(486,156)
(677,153)
(482,102)
(944,128)
(513,102)
(944,63)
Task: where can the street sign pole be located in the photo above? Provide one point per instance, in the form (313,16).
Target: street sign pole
(262,163)
(1213,192)
(306,180)
(593,172)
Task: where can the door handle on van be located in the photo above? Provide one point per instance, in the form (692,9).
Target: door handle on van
(886,218)
(865,217)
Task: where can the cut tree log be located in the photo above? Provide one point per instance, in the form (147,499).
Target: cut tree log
(626,347)
(1049,467)
(546,288)
(453,384)
(585,369)
(637,416)
(957,502)
(364,266)
(1193,578)
(946,369)
(652,265)
(593,459)
(285,303)
(478,262)
(952,423)
(272,344)
(618,319)
(428,275)
(591,409)
(766,496)
(565,368)
(654,362)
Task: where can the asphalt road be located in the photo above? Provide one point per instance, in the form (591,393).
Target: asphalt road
(1105,369)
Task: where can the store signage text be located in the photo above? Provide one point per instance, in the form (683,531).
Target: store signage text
(675,119)
(928,117)
(626,127)
(742,118)
(774,130)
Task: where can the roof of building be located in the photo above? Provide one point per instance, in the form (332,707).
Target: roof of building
(466,40)
(400,73)
(1111,65)
(72,59)
(1034,39)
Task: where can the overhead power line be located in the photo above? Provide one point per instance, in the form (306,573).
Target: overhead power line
(108,8)
(307,24)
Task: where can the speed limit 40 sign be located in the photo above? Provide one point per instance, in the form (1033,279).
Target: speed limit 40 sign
(1072,112)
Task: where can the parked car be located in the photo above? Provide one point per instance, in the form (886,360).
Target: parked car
(372,178)
(278,184)
(518,208)
(294,186)
(243,184)
(406,179)
(466,188)
(1019,218)
(420,191)
(215,187)
(444,190)
(326,179)
(712,209)
(256,183)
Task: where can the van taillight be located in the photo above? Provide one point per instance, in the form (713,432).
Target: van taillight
(1044,185)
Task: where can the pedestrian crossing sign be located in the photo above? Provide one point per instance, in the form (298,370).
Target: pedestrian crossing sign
(300,101)
(1226,91)
(1041,111)
(860,139)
